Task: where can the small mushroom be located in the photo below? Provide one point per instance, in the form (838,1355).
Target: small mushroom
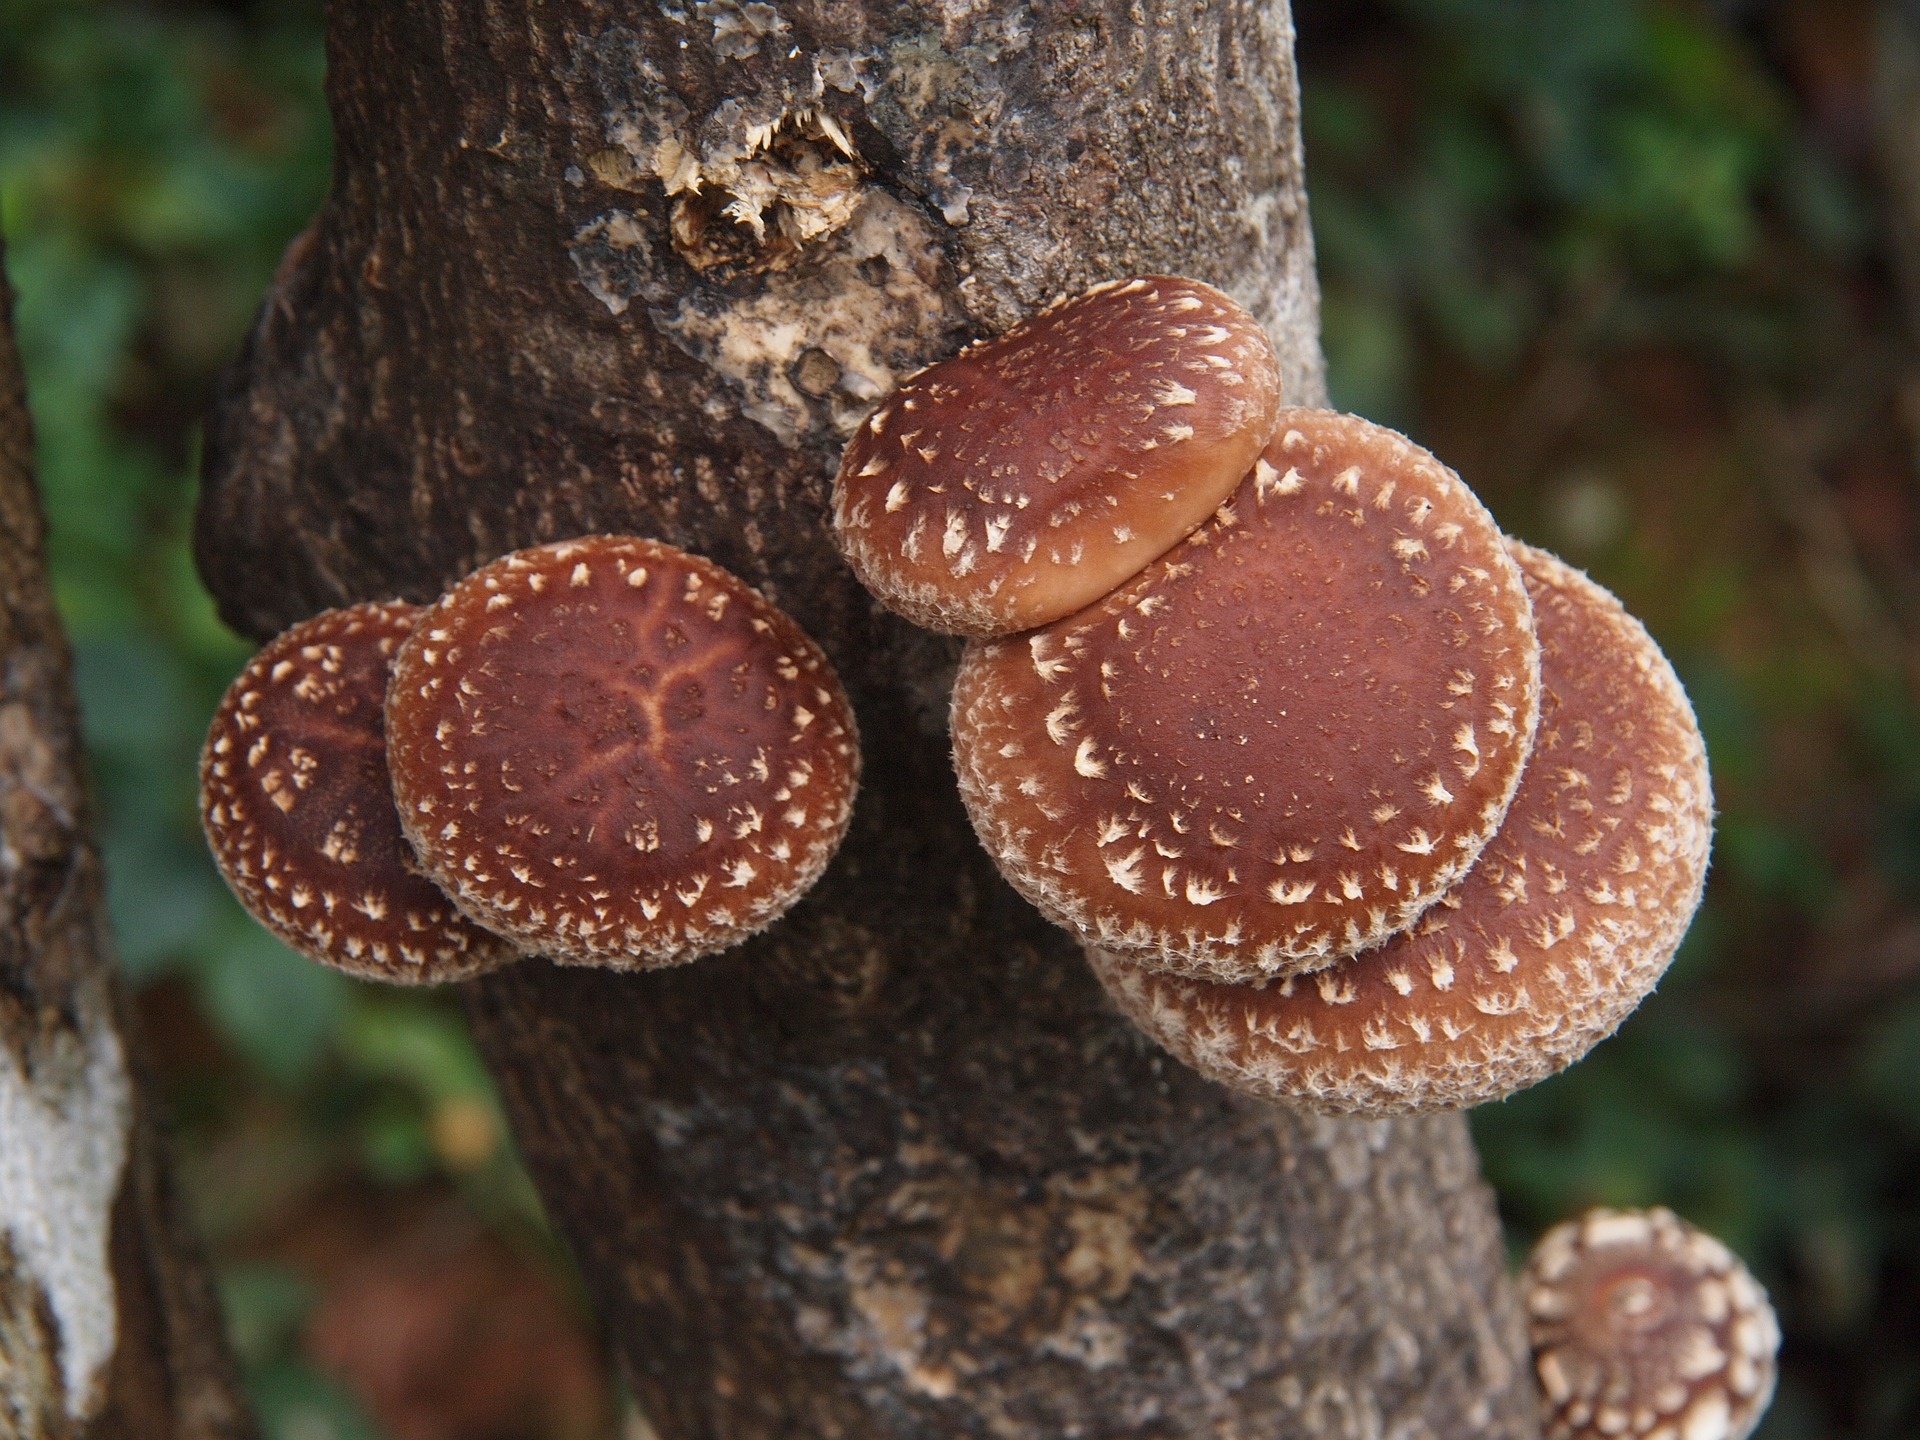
(1569,918)
(1644,1327)
(1285,739)
(1025,477)
(616,753)
(298,812)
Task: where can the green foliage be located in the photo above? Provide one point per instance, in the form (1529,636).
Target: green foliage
(265,1307)
(1551,144)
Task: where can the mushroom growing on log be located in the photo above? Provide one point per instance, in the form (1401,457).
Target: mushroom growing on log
(1565,924)
(1285,738)
(1022,479)
(1644,1327)
(894,1168)
(615,753)
(298,810)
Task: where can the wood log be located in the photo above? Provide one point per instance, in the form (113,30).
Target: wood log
(894,1168)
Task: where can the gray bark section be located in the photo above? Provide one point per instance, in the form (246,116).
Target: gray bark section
(895,1168)
(108,1326)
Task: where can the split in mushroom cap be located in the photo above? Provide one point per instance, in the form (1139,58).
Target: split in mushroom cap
(616,753)
(1027,476)
(296,805)
(1286,738)
(1646,1328)
(1564,925)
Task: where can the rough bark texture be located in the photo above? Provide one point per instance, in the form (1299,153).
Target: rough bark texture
(894,1169)
(108,1326)
(1896,114)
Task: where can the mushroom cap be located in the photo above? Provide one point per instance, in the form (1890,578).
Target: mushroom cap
(616,753)
(1645,1327)
(1025,477)
(298,812)
(1285,738)
(1569,918)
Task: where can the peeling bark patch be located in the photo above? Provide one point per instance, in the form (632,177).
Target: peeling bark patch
(951,95)
(754,180)
(893,1317)
(1058,1269)
(846,71)
(643,118)
(765,191)
(872,306)
(612,258)
(769,188)
(738,29)
(63,1145)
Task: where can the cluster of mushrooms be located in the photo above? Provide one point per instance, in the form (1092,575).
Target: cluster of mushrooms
(605,750)
(1351,801)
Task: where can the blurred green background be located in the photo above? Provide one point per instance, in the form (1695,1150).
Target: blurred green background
(1635,268)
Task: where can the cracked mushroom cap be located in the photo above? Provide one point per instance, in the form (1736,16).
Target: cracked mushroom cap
(298,811)
(1027,476)
(1571,915)
(1285,739)
(616,753)
(1644,1327)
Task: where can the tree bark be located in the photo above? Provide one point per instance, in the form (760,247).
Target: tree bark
(895,1168)
(1896,117)
(108,1326)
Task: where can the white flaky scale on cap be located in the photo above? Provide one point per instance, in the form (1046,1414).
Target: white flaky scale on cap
(1644,1327)
(1030,474)
(616,753)
(1570,917)
(1286,738)
(298,811)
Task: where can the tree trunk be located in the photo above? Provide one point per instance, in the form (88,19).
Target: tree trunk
(1896,117)
(895,1168)
(108,1326)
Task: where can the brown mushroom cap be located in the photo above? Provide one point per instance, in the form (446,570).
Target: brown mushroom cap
(1570,917)
(616,753)
(1286,738)
(298,811)
(1644,1327)
(1027,476)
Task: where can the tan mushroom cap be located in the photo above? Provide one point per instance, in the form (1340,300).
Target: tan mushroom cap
(1027,476)
(299,814)
(1646,1328)
(1285,739)
(616,753)
(1569,918)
